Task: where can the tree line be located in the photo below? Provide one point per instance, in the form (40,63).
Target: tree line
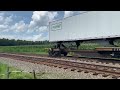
(13,42)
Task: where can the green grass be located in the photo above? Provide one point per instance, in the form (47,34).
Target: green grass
(88,46)
(41,49)
(13,75)
(23,75)
(2,68)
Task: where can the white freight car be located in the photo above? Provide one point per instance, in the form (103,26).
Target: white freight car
(86,26)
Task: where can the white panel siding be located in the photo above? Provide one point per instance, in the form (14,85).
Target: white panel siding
(88,25)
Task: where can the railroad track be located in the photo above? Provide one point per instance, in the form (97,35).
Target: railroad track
(95,60)
(62,63)
(76,58)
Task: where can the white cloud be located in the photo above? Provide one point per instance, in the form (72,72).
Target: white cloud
(19,27)
(40,37)
(41,29)
(1,19)
(68,13)
(7,36)
(1,13)
(5,20)
(3,27)
(35,30)
(36,37)
(8,20)
(7,24)
(41,18)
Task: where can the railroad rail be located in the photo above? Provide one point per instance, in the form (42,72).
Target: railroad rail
(77,58)
(62,63)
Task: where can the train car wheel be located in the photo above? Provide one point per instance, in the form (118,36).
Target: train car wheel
(65,53)
(57,54)
(50,53)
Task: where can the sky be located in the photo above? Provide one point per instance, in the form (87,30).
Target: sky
(29,25)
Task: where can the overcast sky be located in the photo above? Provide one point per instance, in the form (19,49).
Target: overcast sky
(29,25)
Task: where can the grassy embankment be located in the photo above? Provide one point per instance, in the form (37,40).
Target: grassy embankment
(39,49)
(42,49)
(23,75)
(13,75)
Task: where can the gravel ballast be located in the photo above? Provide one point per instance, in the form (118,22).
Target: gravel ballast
(47,72)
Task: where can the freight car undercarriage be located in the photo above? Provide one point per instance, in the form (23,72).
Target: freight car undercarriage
(107,52)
